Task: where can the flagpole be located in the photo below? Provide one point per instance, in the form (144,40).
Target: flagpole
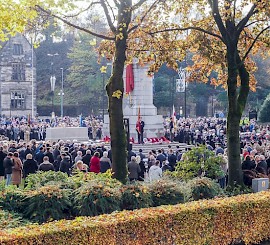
(32,73)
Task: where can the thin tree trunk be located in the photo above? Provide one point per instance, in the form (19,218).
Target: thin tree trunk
(233,121)
(114,86)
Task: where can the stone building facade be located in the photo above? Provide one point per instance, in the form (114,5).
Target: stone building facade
(17,78)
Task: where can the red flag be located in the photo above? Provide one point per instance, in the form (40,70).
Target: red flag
(129,78)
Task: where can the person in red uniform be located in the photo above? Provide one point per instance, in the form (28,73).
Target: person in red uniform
(95,163)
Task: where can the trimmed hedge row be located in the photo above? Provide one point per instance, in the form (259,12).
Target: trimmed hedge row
(217,221)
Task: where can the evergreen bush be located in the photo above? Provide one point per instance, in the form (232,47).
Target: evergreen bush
(41,178)
(198,162)
(47,203)
(202,188)
(12,199)
(135,196)
(166,191)
(11,220)
(96,197)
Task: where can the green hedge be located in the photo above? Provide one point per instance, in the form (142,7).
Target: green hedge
(217,221)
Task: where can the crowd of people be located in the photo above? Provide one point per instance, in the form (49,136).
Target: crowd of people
(18,160)
(20,156)
(24,128)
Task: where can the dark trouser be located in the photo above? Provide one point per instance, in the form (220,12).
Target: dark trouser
(222,182)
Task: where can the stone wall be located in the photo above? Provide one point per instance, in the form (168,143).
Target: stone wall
(7,84)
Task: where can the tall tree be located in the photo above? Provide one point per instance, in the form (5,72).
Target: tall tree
(223,34)
(122,18)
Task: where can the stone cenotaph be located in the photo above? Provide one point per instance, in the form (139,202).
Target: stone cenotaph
(139,97)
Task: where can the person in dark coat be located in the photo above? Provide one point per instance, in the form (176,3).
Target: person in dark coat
(46,165)
(2,169)
(262,165)
(172,158)
(141,163)
(248,164)
(105,162)
(49,154)
(30,166)
(65,165)
(56,151)
(133,169)
(87,157)
(8,164)
(40,156)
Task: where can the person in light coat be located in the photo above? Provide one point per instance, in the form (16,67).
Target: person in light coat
(155,172)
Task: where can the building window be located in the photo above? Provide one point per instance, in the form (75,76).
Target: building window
(17,49)
(17,100)
(18,71)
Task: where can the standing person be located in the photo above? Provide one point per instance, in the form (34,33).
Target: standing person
(87,157)
(78,157)
(8,164)
(17,170)
(40,156)
(141,163)
(65,165)
(30,166)
(95,163)
(49,154)
(138,129)
(46,165)
(105,162)
(2,169)
(142,130)
(155,172)
(133,169)
(172,159)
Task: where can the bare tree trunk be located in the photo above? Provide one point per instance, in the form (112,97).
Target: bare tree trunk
(115,91)
(233,120)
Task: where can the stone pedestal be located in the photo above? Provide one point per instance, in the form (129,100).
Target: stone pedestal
(71,133)
(141,97)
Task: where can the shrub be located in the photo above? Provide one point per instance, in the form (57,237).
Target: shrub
(198,162)
(80,178)
(166,191)
(135,196)
(96,197)
(12,199)
(41,178)
(47,203)
(220,221)
(203,188)
(11,220)
(237,190)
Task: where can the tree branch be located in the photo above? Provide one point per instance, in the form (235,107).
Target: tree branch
(84,10)
(108,17)
(253,43)
(217,18)
(75,26)
(116,3)
(143,17)
(254,22)
(243,22)
(189,28)
(137,5)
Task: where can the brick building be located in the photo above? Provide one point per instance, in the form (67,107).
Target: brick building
(17,77)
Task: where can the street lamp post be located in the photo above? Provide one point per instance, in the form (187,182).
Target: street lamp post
(62,92)
(103,71)
(52,81)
